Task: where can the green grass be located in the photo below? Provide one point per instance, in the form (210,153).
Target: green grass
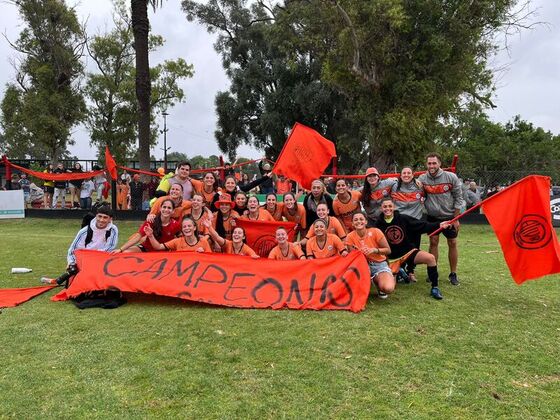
(490,349)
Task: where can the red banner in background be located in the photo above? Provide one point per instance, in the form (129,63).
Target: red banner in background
(261,236)
(67,176)
(332,283)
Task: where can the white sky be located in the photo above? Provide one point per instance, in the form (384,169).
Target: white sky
(529,87)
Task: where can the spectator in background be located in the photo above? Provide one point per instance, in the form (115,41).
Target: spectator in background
(137,192)
(123,195)
(14,182)
(48,188)
(99,182)
(151,187)
(283,185)
(85,194)
(356,185)
(75,185)
(267,186)
(25,185)
(472,195)
(59,188)
(125,177)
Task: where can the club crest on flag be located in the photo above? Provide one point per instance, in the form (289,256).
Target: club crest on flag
(532,232)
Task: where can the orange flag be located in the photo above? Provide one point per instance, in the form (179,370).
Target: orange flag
(305,155)
(17,296)
(261,236)
(520,216)
(110,164)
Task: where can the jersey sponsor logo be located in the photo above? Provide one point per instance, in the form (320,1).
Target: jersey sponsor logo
(438,188)
(532,232)
(394,234)
(407,197)
(380,193)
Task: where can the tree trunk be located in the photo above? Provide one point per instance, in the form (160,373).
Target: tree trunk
(141,29)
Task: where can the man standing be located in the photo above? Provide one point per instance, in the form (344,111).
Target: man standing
(26,187)
(444,200)
(472,196)
(136,193)
(59,188)
(182,176)
(100,234)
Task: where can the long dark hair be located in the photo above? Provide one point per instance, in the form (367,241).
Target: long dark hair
(366,192)
(215,184)
(157,225)
(400,181)
(220,223)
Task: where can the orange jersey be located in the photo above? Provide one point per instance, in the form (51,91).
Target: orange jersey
(333,226)
(294,253)
(263,216)
(177,212)
(245,249)
(371,239)
(208,197)
(345,210)
(228,227)
(180,244)
(200,228)
(333,246)
(122,196)
(282,187)
(297,217)
(277,213)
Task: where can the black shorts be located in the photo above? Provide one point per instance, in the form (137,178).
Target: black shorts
(48,189)
(450,233)
(410,259)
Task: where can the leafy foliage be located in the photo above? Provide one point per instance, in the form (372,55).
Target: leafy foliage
(39,111)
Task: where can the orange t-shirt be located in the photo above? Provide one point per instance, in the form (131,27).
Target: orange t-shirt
(277,213)
(179,244)
(294,253)
(228,228)
(208,197)
(298,217)
(264,216)
(371,240)
(345,211)
(245,249)
(122,196)
(333,246)
(282,187)
(177,211)
(333,226)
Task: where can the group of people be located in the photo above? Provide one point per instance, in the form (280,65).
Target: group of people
(384,220)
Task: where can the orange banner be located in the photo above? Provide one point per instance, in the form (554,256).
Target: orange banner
(332,283)
(67,176)
(261,236)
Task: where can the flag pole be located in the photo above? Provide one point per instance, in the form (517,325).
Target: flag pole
(476,206)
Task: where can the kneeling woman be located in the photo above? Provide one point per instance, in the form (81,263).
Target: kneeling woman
(372,243)
(323,244)
(285,250)
(236,245)
(188,242)
(401,231)
(164,229)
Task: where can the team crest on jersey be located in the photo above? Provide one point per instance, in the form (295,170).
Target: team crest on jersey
(418,196)
(394,234)
(446,188)
(385,192)
(330,247)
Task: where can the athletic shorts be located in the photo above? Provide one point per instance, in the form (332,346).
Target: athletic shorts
(378,267)
(410,259)
(450,233)
(48,189)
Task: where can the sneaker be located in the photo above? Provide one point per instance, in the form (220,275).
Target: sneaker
(48,280)
(436,294)
(382,295)
(453,279)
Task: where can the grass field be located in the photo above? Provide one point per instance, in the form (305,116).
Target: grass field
(490,349)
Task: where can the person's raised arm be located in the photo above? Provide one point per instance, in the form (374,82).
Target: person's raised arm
(155,243)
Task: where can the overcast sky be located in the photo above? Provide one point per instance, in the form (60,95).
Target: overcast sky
(529,87)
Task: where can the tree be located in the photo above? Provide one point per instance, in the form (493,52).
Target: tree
(141,30)
(271,88)
(113,111)
(39,111)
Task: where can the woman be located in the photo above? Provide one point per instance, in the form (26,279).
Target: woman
(332,224)
(235,246)
(346,203)
(323,244)
(176,195)
(199,213)
(188,242)
(254,212)
(373,244)
(74,185)
(164,229)
(285,250)
(209,189)
(274,207)
(375,189)
(224,218)
(294,212)
(48,188)
(408,197)
(123,194)
(402,242)
(240,199)
(317,196)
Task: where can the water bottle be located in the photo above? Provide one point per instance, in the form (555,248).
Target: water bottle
(21,270)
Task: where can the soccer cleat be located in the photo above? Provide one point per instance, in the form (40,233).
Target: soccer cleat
(453,279)
(382,295)
(436,294)
(48,280)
